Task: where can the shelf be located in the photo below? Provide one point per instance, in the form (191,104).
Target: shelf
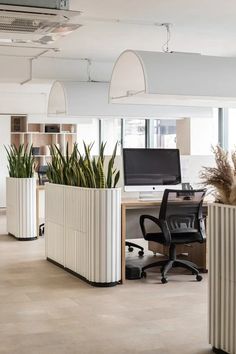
(17,133)
(35,135)
(42,133)
(42,155)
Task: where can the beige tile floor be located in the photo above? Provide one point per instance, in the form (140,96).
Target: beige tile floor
(44,310)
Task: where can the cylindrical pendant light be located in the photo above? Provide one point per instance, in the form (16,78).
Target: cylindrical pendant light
(141,77)
(90,99)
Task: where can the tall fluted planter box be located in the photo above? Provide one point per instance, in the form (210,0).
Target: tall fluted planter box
(83,232)
(222,277)
(21,208)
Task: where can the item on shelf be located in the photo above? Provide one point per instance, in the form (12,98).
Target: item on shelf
(53,128)
(45,150)
(72,129)
(18,123)
(35,150)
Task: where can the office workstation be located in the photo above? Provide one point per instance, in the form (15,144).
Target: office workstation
(146,172)
(117,178)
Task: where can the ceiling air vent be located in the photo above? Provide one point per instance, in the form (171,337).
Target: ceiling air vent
(19,22)
(23,24)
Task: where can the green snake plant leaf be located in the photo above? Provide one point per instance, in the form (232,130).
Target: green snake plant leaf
(76,169)
(21,161)
(116,179)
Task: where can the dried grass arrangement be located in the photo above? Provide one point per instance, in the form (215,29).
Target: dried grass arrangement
(222,178)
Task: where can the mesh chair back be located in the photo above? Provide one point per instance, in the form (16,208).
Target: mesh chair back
(182,209)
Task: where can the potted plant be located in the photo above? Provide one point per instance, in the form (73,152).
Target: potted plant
(222,248)
(83,226)
(21,193)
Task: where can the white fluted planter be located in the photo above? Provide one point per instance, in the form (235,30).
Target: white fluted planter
(21,208)
(222,277)
(83,232)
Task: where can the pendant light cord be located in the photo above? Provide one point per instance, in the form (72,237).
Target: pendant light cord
(165,47)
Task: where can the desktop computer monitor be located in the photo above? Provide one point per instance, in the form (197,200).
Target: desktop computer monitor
(147,170)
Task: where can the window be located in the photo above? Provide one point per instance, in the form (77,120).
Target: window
(163,133)
(134,133)
(88,131)
(231,129)
(111,133)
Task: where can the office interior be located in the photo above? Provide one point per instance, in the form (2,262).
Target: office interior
(144,264)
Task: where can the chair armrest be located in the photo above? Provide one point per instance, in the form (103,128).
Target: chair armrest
(161,223)
(202,227)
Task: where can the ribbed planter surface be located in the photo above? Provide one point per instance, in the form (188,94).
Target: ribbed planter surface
(222,276)
(21,207)
(83,231)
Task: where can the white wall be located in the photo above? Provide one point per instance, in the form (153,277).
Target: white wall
(204,135)
(196,136)
(88,132)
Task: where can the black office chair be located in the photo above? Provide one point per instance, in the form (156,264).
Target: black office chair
(180,222)
(131,246)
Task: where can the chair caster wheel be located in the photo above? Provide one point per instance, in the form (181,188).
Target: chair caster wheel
(164,280)
(143,274)
(141,253)
(130,249)
(198,277)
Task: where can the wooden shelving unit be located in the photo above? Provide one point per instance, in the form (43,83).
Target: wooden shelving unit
(41,136)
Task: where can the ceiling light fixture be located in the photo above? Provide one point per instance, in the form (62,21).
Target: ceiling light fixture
(173,78)
(73,99)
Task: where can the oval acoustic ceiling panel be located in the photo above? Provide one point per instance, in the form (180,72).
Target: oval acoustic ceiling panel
(141,77)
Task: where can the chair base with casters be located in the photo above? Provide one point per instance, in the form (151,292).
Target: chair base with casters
(172,262)
(131,247)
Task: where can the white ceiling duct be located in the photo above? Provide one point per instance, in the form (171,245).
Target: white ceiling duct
(154,78)
(90,99)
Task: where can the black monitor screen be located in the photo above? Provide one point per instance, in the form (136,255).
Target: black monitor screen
(145,167)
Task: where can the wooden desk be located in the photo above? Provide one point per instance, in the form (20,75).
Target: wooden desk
(126,205)
(139,204)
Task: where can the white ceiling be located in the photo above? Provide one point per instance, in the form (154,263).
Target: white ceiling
(206,26)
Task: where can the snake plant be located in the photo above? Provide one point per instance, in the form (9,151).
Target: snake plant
(82,170)
(20,161)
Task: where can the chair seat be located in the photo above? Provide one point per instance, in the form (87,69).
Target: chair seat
(177,237)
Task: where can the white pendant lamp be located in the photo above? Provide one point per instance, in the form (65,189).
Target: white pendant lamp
(141,77)
(90,99)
